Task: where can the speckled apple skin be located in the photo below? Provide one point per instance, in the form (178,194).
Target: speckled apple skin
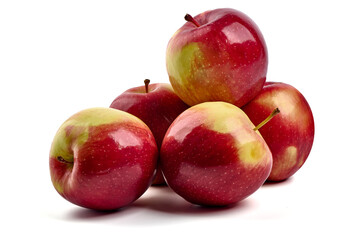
(111,159)
(212,156)
(290,134)
(225,59)
(158,109)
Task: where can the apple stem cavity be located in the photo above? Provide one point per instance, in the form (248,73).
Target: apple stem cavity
(61,159)
(189,18)
(147,81)
(276,111)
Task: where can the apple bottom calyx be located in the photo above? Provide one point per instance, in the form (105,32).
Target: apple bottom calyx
(61,159)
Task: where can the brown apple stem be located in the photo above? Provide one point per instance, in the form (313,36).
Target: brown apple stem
(189,18)
(276,111)
(61,159)
(147,81)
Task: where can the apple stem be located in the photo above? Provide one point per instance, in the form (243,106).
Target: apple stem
(276,111)
(189,18)
(61,159)
(147,81)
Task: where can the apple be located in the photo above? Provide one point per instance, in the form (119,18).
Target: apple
(211,155)
(102,159)
(155,104)
(291,134)
(218,55)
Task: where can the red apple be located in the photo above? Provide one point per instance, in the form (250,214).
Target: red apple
(291,134)
(102,158)
(157,105)
(211,155)
(218,55)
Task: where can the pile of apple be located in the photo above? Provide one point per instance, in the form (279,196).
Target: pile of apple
(208,134)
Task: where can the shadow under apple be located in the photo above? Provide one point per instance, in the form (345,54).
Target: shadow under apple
(162,206)
(278,183)
(159,205)
(80,214)
(165,200)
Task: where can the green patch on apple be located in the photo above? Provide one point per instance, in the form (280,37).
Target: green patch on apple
(181,65)
(58,186)
(75,131)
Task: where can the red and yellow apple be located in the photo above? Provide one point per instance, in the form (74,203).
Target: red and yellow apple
(291,134)
(102,158)
(211,155)
(155,104)
(219,55)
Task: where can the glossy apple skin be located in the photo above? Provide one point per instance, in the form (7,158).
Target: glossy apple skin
(212,156)
(225,59)
(110,159)
(158,108)
(290,134)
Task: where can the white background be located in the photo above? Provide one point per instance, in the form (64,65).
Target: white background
(59,57)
